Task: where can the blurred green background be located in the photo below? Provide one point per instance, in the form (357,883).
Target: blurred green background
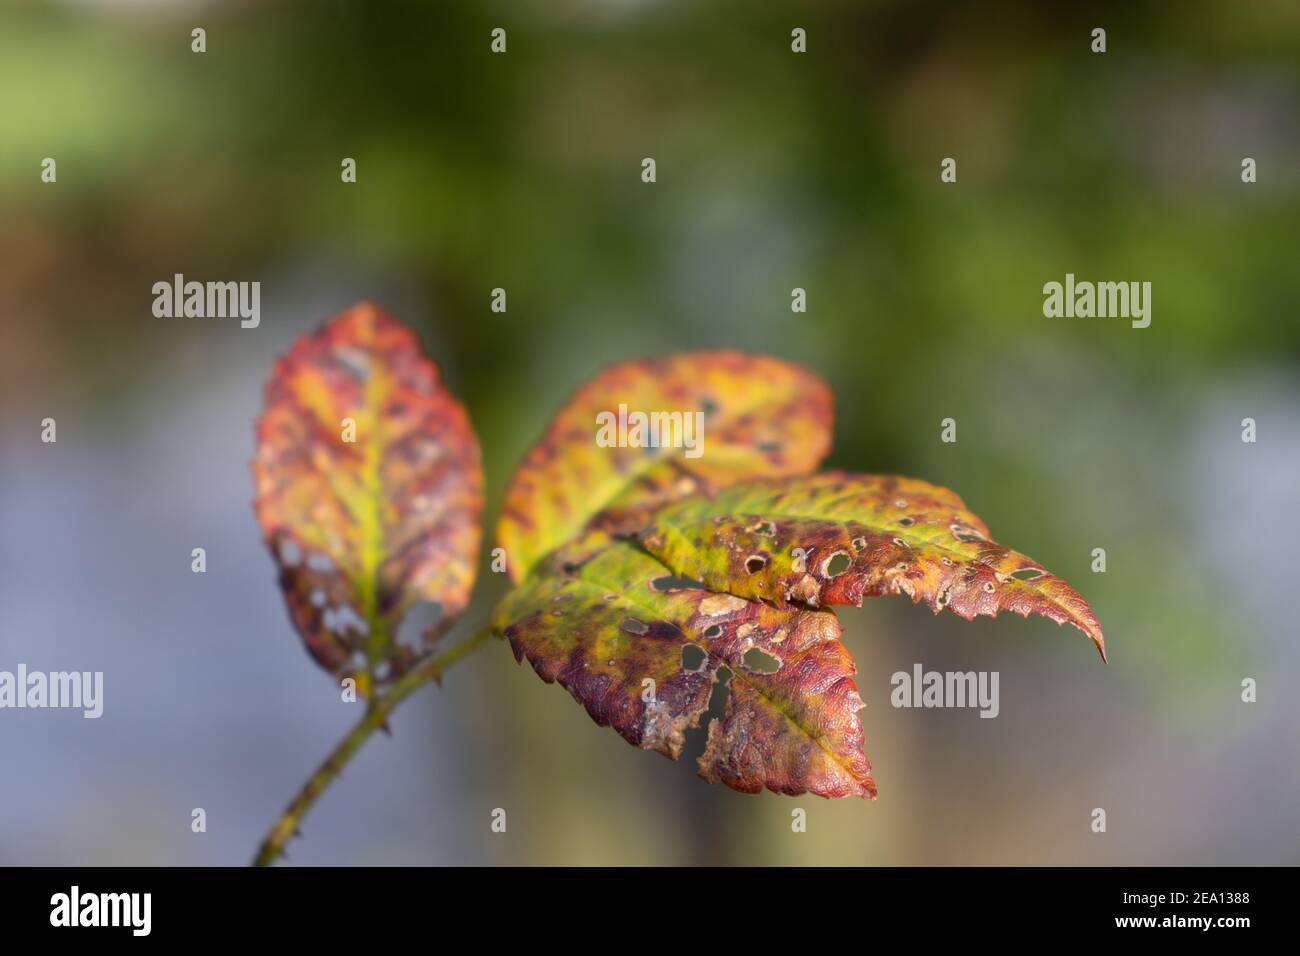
(775,171)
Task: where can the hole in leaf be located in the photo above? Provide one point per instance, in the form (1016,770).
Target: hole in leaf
(422,617)
(708,406)
(670,583)
(766,528)
(836,564)
(761,661)
(356,363)
(633,626)
(859,544)
(1028,574)
(714,631)
(693,657)
(967,536)
(344,618)
(755,563)
(320,562)
(907,522)
(769,446)
(290,553)
(697,737)
(989,587)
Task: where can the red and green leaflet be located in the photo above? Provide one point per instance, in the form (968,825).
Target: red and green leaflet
(369,492)
(642,650)
(836,538)
(762,418)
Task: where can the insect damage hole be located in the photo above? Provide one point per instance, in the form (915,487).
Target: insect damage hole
(697,737)
(721,688)
(421,620)
(836,564)
(1028,574)
(755,563)
(344,618)
(670,583)
(290,552)
(632,626)
(694,657)
(761,661)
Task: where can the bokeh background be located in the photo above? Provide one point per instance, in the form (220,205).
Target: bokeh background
(775,170)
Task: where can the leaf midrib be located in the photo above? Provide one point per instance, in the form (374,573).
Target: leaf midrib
(371,520)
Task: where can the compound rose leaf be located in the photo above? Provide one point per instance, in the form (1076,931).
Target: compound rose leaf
(369,492)
(761,417)
(836,538)
(642,650)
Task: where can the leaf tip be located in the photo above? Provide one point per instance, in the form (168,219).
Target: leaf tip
(1091,627)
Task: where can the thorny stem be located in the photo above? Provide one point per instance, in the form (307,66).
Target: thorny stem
(377,714)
